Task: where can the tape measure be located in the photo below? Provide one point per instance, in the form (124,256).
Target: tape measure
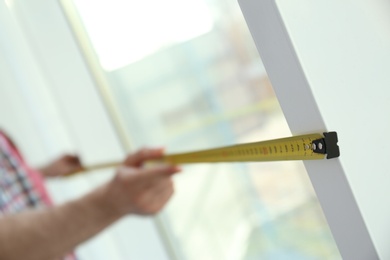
(302,147)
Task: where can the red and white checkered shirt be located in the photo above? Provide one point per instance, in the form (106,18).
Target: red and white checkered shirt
(21,187)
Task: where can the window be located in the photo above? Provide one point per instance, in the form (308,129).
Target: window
(186,75)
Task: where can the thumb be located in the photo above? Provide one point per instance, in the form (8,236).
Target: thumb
(159,170)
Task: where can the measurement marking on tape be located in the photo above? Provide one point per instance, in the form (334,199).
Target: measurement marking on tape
(302,147)
(314,147)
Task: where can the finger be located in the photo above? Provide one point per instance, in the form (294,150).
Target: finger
(72,159)
(142,179)
(142,155)
(158,195)
(158,171)
(158,184)
(159,202)
(75,159)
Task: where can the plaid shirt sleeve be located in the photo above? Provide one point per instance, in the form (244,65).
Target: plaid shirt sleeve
(21,187)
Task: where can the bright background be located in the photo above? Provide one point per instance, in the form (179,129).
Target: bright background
(102,78)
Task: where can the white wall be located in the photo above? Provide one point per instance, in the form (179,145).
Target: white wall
(343,47)
(26,106)
(329,63)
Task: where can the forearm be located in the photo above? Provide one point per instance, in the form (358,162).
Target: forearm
(52,232)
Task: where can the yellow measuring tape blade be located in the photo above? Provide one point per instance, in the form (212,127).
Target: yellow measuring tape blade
(303,147)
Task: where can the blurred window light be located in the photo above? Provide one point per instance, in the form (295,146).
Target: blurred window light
(123,32)
(9,3)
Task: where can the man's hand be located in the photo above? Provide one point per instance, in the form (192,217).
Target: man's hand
(138,188)
(64,165)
